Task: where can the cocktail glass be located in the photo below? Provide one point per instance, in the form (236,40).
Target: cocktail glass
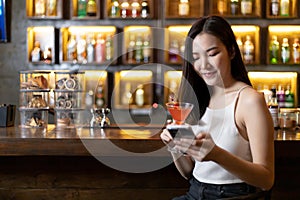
(179,111)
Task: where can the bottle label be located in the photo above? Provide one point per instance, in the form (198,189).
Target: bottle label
(275,9)
(183,9)
(246,7)
(274,114)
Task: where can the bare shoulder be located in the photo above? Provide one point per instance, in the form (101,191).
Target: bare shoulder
(249,97)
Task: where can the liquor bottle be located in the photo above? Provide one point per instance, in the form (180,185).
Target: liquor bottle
(89,99)
(36,53)
(81,49)
(99,96)
(145,11)
(281,96)
(114,9)
(285,51)
(222,7)
(127,95)
(285,7)
(51,7)
(139,96)
(172,96)
(234,7)
(174,51)
(90,48)
(135,9)
(246,7)
(91,8)
(131,49)
(274,7)
(71,49)
(183,8)
(146,49)
(81,8)
(248,50)
(138,55)
(100,49)
(240,45)
(125,9)
(289,97)
(274,50)
(47,55)
(109,49)
(273,108)
(296,51)
(40,8)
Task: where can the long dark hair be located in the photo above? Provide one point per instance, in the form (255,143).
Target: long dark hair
(193,89)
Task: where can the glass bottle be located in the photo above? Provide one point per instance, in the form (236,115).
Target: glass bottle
(81,8)
(240,45)
(146,49)
(51,7)
(285,51)
(222,7)
(99,96)
(273,107)
(114,9)
(246,7)
(131,49)
(81,49)
(71,49)
(127,95)
(289,97)
(135,9)
(234,7)
(125,9)
(248,50)
(274,50)
(285,7)
(91,8)
(36,53)
(100,49)
(281,96)
(139,96)
(145,11)
(274,7)
(90,48)
(296,51)
(183,8)
(174,51)
(138,49)
(109,48)
(47,55)
(40,8)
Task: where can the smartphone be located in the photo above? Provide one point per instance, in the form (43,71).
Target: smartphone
(181,131)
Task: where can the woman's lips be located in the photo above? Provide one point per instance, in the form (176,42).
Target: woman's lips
(208,74)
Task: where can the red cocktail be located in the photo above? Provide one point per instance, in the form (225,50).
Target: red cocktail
(179,111)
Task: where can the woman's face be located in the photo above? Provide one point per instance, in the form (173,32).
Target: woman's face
(211,59)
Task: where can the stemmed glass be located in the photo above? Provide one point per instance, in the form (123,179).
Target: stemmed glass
(179,111)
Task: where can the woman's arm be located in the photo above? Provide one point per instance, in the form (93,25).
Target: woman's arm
(184,164)
(253,114)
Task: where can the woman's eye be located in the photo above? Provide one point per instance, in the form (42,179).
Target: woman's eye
(195,59)
(213,54)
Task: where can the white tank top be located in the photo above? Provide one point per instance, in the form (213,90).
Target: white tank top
(220,123)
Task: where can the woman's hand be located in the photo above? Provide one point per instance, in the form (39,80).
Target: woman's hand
(199,148)
(167,138)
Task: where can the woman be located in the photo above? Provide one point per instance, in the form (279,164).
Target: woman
(233,151)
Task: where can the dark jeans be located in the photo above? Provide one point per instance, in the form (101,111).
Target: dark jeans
(199,191)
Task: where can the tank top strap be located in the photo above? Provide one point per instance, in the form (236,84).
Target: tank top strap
(238,93)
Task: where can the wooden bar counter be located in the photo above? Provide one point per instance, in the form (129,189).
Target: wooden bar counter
(111,163)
